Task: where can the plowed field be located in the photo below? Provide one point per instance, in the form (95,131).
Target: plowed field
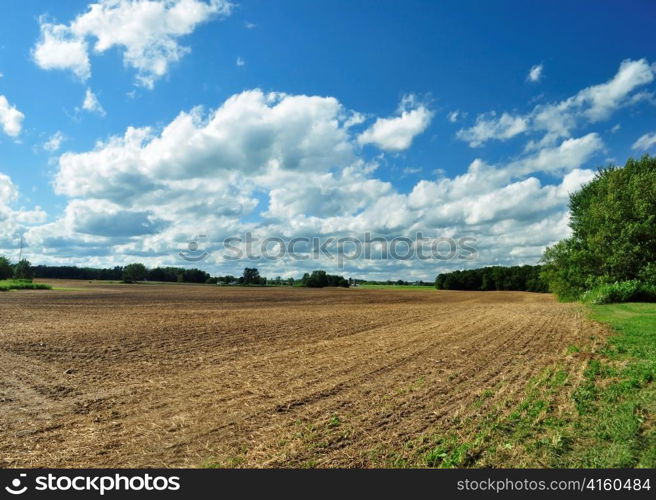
(172,375)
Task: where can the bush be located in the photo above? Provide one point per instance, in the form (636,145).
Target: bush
(621,291)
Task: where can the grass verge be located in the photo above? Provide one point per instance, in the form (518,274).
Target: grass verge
(617,401)
(6,285)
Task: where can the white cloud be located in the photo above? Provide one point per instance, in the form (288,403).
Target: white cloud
(454,116)
(645,142)
(92,104)
(8,191)
(210,163)
(490,127)
(463,201)
(60,48)
(102,218)
(14,221)
(557,120)
(570,154)
(146,32)
(535,73)
(397,134)
(295,162)
(10,118)
(54,142)
(299,195)
(411,170)
(599,101)
(250,134)
(240,62)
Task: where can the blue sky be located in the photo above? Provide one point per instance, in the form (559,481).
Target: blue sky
(127,128)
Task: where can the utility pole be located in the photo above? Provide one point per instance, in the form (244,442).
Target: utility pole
(20,252)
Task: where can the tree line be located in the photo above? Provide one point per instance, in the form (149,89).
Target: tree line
(136,272)
(320,279)
(518,278)
(139,272)
(131,272)
(78,273)
(22,270)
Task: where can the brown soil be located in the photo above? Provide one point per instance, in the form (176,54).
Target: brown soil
(173,375)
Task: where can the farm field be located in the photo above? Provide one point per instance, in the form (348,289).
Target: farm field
(108,375)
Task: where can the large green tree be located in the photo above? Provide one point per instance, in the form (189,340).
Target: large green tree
(613,222)
(320,279)
(252,276)
(134,272)
(23,270)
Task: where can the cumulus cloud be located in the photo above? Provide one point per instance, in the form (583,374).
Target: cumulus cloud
(14,221)
(10,118)
(147,33)
(60,48)
(250,134)
(599,101)
(203,172)
(489,126)
(324,195)
(570,154)
(515,204)
(8,192)
(283,165)
(92,104)
(103,218)
(558,120)
(645,142)
(118,174)
(535,73)
(397,133)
